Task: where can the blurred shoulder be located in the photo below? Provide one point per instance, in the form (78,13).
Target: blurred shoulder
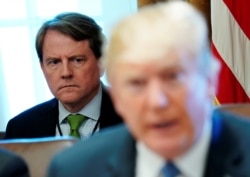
(237,123)
(100,144)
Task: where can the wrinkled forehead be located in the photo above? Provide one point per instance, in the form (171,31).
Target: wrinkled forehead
(156,32)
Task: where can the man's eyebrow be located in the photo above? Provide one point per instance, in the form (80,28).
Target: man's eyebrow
(75,56)
(51,58)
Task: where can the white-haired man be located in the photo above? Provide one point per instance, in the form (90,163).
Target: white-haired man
(163,80)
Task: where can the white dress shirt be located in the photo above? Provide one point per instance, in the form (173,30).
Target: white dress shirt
(91,110)
(190,164)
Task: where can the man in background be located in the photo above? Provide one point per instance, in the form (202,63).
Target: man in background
(11,165)
(163,80)
(69,51)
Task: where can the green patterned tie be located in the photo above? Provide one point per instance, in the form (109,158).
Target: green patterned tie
(75,121)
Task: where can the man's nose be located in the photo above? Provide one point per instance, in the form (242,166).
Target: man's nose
(157,97)
(66,70)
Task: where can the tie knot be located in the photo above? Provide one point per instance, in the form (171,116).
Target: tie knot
(170,170)
(75,121)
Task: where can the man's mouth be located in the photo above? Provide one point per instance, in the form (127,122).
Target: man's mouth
(168,126)
(67,86)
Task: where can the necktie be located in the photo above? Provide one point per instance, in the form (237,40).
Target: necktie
(170,170)
(75,121)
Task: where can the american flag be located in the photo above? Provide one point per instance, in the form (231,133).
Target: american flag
(230,44)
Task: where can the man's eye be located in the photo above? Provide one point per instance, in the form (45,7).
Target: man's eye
(174,77)
(53,62)
(137,82)
(136,85)
(78,60)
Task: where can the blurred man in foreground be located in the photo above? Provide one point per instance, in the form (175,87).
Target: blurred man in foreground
(163,80)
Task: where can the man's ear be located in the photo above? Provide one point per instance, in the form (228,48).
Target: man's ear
(212,90)
(213,82)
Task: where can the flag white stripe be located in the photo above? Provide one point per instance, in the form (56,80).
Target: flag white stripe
(231,42)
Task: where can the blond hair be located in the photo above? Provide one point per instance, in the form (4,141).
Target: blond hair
(157,29)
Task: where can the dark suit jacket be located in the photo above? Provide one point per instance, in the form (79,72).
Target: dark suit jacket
(41,120)
(11,165)
(112,153)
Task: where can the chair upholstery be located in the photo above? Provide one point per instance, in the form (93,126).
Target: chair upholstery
(242,109)
(37,152)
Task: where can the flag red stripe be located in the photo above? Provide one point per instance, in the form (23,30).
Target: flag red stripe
(229,90)
(240,10)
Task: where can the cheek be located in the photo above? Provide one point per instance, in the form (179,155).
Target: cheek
(127,105)
(132,116)
(123,104)
(50,75)
(51,78)
(196,104)
(95,68)
(196,93)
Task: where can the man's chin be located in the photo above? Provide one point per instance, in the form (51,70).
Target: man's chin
(69,98)
(169,149)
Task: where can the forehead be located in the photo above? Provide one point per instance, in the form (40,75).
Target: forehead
(147,44)
(154,52)
(147,66)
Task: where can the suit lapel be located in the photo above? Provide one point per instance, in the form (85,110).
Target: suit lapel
(50,118)
(225,154)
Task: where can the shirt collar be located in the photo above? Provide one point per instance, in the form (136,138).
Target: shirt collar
(148,163)
(91,110)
